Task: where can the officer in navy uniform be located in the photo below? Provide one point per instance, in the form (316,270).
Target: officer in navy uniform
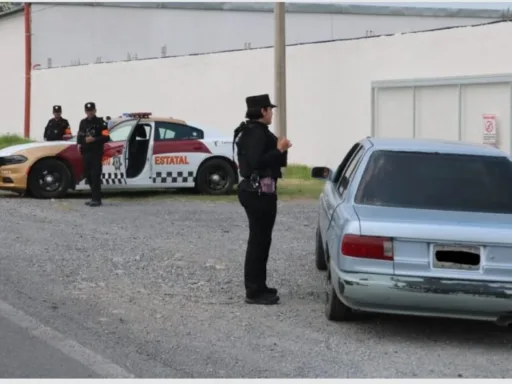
(260,158)
(57,126)
(92,135)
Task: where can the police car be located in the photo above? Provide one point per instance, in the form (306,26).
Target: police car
(145,152)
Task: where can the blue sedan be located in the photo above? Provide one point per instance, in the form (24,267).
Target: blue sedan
(417,227)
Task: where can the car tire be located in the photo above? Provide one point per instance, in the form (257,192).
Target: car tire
(335,310)
(215,168)
(320,262)
(49,179)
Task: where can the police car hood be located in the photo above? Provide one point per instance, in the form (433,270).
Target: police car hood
(23,147)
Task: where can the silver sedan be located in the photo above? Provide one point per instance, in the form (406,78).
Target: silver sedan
(417,227)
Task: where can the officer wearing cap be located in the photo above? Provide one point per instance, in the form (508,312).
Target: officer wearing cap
(92,135)
(57,127)
(110,122)
(260,158)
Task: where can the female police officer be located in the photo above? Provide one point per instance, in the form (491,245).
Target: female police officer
(260,158)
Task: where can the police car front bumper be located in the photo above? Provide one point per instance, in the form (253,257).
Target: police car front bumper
(13,178)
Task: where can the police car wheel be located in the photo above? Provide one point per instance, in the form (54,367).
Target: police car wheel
(49,179)
(215,177)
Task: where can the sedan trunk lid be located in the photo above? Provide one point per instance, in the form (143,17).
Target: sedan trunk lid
(449,244)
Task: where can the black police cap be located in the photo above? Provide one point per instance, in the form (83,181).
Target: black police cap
(90,106)
(57,109)
(259,101)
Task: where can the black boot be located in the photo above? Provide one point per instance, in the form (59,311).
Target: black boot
(264,298)
(272,291)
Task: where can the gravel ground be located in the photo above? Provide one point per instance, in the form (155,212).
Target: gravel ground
(156,287)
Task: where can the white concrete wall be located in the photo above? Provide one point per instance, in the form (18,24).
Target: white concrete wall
(329,84)
(12,70)
(81,31)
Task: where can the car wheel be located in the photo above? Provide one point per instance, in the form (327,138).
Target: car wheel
(335,310)
(215,177)
(49,179)
(321,263)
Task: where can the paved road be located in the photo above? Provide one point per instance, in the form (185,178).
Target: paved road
(23,355)
(154,289)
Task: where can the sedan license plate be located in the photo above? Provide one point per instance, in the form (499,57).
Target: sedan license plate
(458,257)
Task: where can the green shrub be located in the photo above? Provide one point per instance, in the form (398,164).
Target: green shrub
(8,140)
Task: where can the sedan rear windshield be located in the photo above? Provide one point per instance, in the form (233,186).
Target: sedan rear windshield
(437,181)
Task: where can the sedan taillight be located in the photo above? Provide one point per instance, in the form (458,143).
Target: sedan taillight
(367,247)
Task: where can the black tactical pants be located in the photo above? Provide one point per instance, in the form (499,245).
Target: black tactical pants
(93,167)
(261,211)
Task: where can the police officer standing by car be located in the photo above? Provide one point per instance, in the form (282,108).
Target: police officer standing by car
(57,127)
(260,158)
(92,135)
(110,122)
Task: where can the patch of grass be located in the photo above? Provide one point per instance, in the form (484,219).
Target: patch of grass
(300,189)
(8,140)
(296,184)
(297,172)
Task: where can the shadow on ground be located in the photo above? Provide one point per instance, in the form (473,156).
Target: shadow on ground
(161,193)
(396,328)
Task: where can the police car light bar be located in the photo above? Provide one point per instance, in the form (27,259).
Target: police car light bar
(140,115)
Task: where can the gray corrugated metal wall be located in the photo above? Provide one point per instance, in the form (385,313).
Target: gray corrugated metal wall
(444,108)
(67,34)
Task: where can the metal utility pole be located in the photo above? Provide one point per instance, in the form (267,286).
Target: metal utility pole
(280,67)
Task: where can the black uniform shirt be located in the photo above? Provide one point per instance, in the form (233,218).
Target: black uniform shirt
(56,129)
(97,128)
(258,153)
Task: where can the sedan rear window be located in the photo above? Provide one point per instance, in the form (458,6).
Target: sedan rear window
(437,181)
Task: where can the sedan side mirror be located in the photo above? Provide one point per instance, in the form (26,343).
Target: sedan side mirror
(321,173)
